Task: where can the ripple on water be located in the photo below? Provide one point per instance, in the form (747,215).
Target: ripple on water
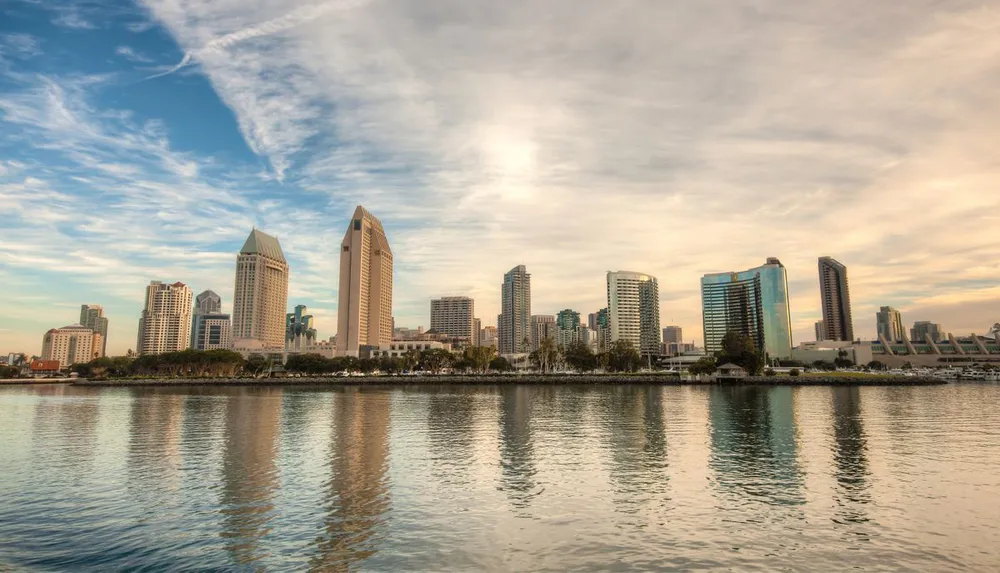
(499,478)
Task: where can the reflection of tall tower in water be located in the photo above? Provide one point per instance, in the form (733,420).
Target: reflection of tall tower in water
(754,444)
(517,466)
(249,472)
(637,443)
(850,456)
(451,415)
(154,456)
(358,492)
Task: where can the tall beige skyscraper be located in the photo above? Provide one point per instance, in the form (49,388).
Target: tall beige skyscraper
(514,322)
(835,298)
(261,297)
(165,325)
(364,313)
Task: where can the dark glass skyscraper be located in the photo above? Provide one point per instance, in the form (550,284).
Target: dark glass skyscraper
(753,303)
(835,298)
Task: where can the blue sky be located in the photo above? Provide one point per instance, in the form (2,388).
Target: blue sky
(142,141)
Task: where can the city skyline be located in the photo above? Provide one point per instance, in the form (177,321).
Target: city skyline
(453,151)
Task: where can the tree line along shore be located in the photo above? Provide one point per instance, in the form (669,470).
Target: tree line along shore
(576,363)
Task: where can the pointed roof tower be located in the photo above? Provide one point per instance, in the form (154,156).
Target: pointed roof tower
(261,243)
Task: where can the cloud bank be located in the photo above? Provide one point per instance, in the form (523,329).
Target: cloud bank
(580,136)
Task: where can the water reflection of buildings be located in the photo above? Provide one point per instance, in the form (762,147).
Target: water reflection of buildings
(358,496)
(850,457)
(451,415)
(65,421)
(637,442)
(754,443)
(249,471)
(517,465)
(155,433)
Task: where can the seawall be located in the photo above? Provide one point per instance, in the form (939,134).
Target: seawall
(493,380)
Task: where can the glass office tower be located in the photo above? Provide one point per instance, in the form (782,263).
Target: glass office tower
(753,303)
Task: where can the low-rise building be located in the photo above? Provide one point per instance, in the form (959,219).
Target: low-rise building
(44,367)
(860,353)
(399,348)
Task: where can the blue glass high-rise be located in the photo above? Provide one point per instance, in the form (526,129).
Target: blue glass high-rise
(753,303)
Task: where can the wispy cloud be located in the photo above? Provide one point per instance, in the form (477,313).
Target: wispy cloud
(589,136)
(69,17)
(131,55)
(577,137)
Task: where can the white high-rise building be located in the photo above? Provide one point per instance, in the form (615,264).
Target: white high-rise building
(514,322)
(165,325)
(364,312)
(634,310)
(260,298)
(74,344)
(454,316)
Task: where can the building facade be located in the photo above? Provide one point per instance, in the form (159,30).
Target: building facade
(477,329)
(753,303)
(454,316)
(514,322)
(299,331)
(364,311)
(399,348)
(212,332)
(74,344)
(165,324)
(602,326)
(820,328)
(568,327)
(835,299)
(92,317)
(673,334)
(260,299)
(542,326)
(210,328)
(634,310)
(207,302)
(922,329)
(889,323)
(488,336)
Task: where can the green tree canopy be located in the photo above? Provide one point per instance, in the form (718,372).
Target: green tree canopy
(580,357)
(705,366)
(500,364)
(479,357)
(623,357)
(739,349)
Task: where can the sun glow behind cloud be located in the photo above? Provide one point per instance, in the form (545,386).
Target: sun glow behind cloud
(572,136)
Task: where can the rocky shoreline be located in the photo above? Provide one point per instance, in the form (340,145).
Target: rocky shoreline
(496,380)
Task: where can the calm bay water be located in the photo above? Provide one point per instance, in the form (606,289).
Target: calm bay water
(506,478)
